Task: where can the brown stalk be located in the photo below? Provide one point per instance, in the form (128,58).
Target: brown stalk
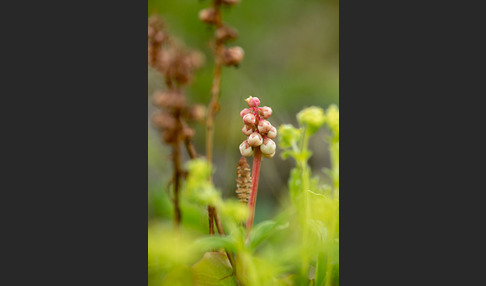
(213,107)
(177,178)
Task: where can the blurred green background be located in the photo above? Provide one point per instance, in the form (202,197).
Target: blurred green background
(291,62)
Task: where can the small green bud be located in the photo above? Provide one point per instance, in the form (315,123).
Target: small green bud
(332,115)
(289,135)
(313,117)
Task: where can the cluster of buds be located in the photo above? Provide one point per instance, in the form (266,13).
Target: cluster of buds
(173,105)
(169,57)
(259,130)
(229,56)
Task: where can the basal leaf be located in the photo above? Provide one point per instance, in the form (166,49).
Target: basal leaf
(213,269)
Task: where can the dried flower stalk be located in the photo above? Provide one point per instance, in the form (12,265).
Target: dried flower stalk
(177,65)
(243,180)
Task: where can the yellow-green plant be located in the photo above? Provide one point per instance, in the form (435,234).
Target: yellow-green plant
(300,246)
(317,206)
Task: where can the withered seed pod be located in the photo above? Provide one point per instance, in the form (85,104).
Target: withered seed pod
(233,56)
(207,15)
(163,120)
(226,33)
(188,132)
(167,99)
(197,113)
(170,135)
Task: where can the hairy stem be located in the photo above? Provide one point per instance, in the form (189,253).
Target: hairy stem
(254,189)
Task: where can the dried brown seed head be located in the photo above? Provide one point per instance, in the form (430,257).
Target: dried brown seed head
(188,132)
(243,180)
(196,59)
(168,99)
(225,33)
(207,15)
(163,120)
(197,113)
(170,136)
(233,56)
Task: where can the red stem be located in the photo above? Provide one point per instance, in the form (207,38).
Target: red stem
(257,159)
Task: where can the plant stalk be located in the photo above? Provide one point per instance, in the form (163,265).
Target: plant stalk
(177,178)
(213,107)
(257,159)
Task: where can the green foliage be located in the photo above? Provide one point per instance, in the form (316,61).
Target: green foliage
(288,135)
(213,269)
(300,246)
(300,243)
(263,231)
(317,207)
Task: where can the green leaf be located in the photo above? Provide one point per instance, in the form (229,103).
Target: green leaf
(263,231)
(213,269)
(181,276)
(215,242)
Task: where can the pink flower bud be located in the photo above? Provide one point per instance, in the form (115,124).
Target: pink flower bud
(269,156)
(245,112)
(264,126)
(255,139)
(249,119)
(247,130)
(245,149)
(268,147)
(265,112)
(272,133)
(253,101)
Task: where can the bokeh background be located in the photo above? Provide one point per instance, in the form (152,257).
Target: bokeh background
(291,62)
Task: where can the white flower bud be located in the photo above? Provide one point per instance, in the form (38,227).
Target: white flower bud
(272,133)
(249,119)
(268,147)
(247,130)
(245,112)
(265,112)
(269,156)
(255,139)
(264,126)
(245,149)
